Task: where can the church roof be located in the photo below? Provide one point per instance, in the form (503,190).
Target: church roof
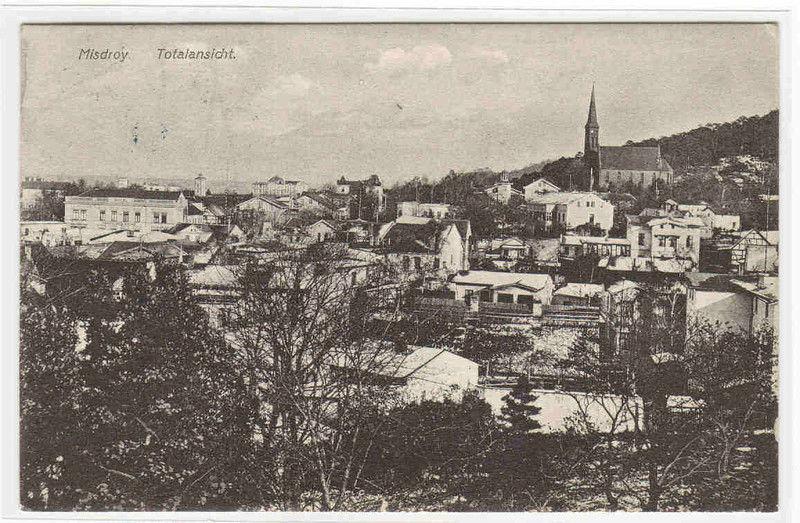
(627,158)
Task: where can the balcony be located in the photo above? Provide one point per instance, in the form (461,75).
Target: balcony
(572,316)
(458,309)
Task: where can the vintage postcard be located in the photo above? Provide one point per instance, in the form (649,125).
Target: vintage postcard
(518,267)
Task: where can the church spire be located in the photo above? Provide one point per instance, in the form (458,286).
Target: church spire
(592,120)
(591,145)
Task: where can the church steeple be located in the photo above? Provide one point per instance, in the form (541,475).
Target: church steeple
(591,144)
(592,120)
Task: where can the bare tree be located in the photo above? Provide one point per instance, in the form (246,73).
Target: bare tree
(300,327)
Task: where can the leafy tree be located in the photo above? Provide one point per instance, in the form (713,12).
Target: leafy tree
(446,439)
(152,410)
(50,385)
(519,412)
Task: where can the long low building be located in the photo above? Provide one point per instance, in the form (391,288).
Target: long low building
(504,287)
(130,208)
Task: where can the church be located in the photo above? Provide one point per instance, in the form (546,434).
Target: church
(612,168)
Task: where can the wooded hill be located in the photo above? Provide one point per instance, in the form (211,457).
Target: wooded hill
(705,145)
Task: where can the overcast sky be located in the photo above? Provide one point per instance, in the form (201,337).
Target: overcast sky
(315,102)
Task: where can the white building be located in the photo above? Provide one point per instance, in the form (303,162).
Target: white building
(425,246)
(502,191)
(540,186)
(44,232)
(435,374)
(278,186)
(270,208)
(568,210)
(665,237)
(504,287)
(585,294)
(427,210)
(131,208)
(733,302)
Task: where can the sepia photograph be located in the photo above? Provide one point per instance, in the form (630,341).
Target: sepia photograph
(398,267)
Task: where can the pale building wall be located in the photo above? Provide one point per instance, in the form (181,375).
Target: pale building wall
(110,213)
(732,310)
(579,212)
(618,178)
(726,222)
(686,239)
(500,192)
(444,384)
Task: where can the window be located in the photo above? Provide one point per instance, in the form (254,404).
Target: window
(525,298)
(155,217)
(113,216)
(125,216)
(83,214)
(163,217)
(417,263)
(504,297)
(689,242)
(406,262)
(76,215)
(137,217)
(662,241)
(102,216)
(673,241)
(641,238)
(27,231)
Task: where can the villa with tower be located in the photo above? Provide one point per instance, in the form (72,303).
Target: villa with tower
(613,167)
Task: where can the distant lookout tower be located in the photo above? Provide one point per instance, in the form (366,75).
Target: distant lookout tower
(200,186)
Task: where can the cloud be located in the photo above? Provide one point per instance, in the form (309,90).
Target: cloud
(295,85)
(495,56)
(422,57)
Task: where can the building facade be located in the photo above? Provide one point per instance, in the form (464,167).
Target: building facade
(367,199)
(568,210)
(665,237)
(540,186)
(132,209)
(278,186)
(426,210)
